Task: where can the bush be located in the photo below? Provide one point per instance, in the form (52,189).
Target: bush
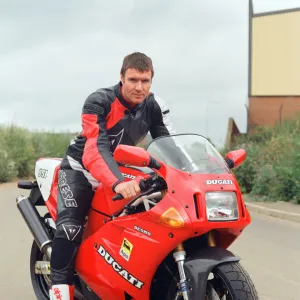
(20,148)
(272,166)
(8,169)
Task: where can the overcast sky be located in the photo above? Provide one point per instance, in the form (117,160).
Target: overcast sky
(53,54)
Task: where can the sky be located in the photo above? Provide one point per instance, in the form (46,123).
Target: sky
(53,54)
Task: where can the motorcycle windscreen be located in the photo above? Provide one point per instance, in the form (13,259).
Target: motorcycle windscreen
(189,152)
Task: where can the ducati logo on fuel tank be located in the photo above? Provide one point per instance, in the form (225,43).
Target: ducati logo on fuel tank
(118,268)
(219,181)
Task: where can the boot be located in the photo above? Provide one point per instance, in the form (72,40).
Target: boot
(61,292)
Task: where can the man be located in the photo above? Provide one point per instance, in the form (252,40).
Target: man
(122,114)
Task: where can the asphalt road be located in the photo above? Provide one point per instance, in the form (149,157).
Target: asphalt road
(269,248)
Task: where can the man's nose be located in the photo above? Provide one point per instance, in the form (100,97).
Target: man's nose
(139,86)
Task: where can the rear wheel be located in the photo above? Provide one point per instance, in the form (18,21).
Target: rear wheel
(40,283)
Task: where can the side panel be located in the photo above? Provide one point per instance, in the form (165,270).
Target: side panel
(124,254)
(44,172)
(51,203)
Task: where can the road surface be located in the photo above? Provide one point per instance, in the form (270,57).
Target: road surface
(269,248)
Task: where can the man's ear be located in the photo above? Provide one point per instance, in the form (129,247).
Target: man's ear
(122,78)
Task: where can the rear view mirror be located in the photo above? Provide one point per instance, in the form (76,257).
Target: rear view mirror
(135,156)
(235,158)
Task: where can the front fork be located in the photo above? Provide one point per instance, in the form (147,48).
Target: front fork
(179,257)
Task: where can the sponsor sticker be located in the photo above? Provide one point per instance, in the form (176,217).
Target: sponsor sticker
(43,173)
(126,249)
(137,228)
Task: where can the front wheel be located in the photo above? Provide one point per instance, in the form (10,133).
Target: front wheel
(231,282)
(227,281)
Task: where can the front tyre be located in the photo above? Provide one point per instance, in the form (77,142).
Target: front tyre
(227,281)
(231,282)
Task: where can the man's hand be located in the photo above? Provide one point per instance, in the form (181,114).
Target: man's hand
(128,189)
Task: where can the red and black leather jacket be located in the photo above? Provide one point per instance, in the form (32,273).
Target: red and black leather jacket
(108,120)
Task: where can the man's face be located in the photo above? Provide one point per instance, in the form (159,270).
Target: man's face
(136,85)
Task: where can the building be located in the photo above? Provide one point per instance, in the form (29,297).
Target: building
(273,69)
(274,66)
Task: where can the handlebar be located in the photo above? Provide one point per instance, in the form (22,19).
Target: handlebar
(144,184)
(118,197)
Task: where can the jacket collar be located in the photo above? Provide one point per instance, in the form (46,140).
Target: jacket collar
(119,95)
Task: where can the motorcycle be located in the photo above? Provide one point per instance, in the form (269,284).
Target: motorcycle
(168,242)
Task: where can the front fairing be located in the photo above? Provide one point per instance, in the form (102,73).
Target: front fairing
(192,167)
(186,192)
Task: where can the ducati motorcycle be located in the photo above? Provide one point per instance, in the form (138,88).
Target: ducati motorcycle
(169,242)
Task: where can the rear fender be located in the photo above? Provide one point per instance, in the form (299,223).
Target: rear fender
(198,268)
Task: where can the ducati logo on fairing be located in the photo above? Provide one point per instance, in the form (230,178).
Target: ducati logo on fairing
(219,181)
(118,269)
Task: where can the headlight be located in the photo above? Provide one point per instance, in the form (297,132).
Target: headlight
(221,206)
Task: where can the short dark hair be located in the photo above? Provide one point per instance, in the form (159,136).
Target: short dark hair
(138,61)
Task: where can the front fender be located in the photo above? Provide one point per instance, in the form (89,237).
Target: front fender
(198,267)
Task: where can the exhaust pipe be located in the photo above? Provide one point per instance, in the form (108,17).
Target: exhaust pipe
(36,226)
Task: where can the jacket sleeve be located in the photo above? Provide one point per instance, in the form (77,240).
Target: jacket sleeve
(161,119)
(97,158)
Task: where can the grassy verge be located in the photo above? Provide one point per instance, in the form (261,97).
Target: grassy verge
(20,148)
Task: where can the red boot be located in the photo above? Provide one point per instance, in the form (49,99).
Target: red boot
(61,292)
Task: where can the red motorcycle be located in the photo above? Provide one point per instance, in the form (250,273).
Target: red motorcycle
(168,242)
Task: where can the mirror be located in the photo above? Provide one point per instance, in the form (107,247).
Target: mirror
(131,155)
(235,158)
